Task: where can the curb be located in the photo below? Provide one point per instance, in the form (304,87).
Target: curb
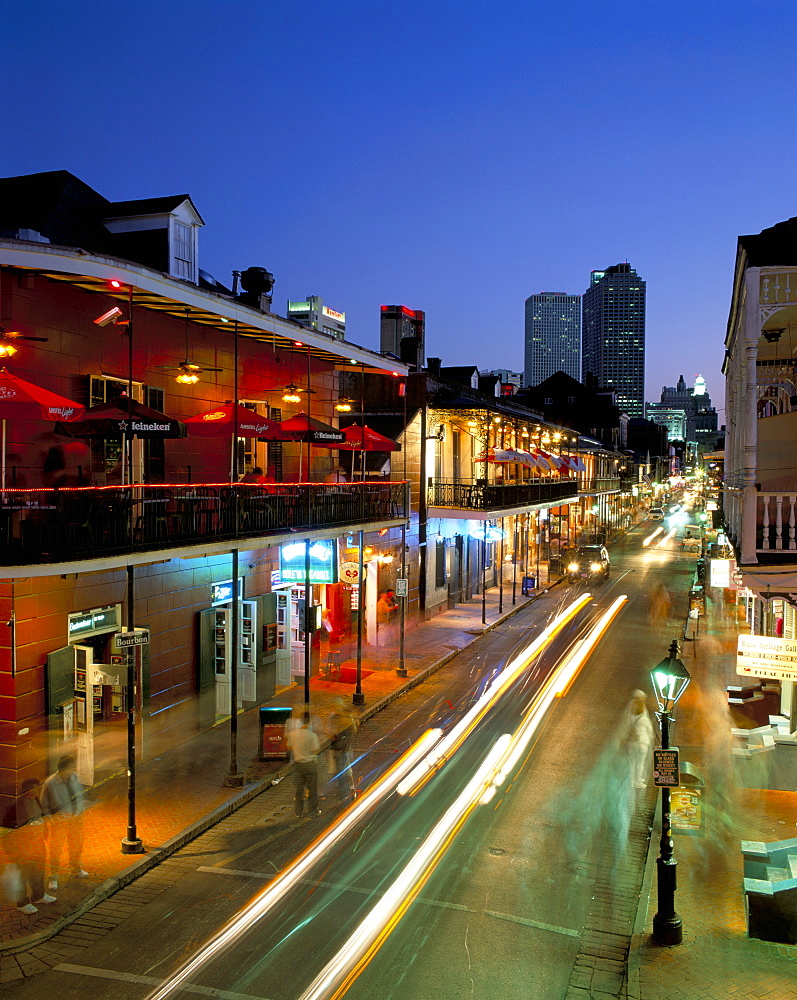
(150,860)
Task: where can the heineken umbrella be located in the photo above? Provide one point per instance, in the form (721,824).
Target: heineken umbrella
(25,401)
(220,421)
(365,438)
(122,417)
(303,427)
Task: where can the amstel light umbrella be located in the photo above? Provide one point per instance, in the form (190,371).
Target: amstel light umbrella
(365,438)
(25,401)
(221,421)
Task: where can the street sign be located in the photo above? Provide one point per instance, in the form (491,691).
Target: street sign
(666,768)
(401,587)
(138,637)
(764,656)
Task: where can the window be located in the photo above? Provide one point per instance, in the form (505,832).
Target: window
(549,400)
(183,251)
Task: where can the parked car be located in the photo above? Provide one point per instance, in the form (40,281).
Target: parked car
(587,562)
(656,514)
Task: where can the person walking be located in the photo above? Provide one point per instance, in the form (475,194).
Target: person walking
(343,727)
(62,803)
(25,845)
(304,747)
(639,738)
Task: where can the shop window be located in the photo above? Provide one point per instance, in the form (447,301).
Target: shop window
(440,563)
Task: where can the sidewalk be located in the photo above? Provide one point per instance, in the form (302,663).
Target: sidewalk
(181,793)
(716,958)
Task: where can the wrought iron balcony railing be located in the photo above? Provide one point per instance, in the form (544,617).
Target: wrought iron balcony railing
(498,496)
(607,484)
(52,526)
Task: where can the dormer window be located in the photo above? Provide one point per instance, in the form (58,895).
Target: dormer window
(184,251)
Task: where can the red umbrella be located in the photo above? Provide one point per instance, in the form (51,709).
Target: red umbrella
(305,428)
(27,401)
(366,439)
(250,424)
(122,417)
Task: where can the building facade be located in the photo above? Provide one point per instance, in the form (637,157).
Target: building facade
(613,335)
(312,312)
(552,336)
(687,414)
(402,333)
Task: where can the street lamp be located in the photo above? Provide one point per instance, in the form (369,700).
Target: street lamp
(670,679)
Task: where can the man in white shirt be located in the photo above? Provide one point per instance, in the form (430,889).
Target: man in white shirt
(62,804)
(304,747)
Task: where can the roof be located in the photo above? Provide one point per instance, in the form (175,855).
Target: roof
(776,245)
(148,206)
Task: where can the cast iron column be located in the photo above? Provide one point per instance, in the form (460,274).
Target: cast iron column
(667,928)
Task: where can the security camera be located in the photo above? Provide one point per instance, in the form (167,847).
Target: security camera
(112,316)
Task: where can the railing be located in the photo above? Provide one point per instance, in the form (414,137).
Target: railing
(775,523)
(497,496)
(50,526)
(609,484)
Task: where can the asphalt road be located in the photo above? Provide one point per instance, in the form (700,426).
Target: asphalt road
(504,909)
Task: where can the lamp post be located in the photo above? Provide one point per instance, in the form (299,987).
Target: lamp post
(670,679)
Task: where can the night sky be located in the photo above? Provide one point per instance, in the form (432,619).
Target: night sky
(454,157)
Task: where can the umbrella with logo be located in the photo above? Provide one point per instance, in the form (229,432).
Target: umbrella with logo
(25,401)
(220,421)
(122,418)
(365,438)
(303,427)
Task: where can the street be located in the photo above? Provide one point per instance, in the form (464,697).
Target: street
(503,903)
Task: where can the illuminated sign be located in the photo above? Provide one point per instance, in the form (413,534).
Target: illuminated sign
(221,593)
(764,656)
(722,571)
(297,307)
(339,317)
(323,562)
(92,622)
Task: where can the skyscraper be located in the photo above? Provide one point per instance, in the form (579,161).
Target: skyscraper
(553,336)
(403,332)
(613,335)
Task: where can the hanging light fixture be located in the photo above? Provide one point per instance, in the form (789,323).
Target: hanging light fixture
(187,376)
(291,394)
(343,405)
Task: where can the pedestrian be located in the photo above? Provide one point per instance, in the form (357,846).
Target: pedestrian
(62,804)
(25,846)
(336,476)
(343,727)
(304,747)
(255,476)
(639,736)
(386,608)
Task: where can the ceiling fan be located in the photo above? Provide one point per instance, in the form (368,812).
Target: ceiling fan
(188,371)
(7,338)
(291,393)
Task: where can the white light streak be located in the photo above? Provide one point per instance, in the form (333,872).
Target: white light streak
(650,538)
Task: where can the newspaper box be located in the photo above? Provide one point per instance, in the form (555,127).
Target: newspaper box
(273,745)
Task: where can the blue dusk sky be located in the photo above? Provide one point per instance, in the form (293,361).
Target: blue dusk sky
(453,156)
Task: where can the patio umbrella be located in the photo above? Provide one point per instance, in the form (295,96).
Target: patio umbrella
(122,418)
(27,401)
(250,424)
(365,438)
(303,427)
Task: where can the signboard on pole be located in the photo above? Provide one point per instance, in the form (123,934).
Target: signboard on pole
(666,768)
(401,587)
(764,656)
(138,637)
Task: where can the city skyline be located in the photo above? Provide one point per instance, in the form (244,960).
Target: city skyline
(430,187)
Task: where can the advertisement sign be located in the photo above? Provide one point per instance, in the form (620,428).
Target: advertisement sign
(221,593)
(92,622)
(350,573)
(722,571)
(686,809)
(764,656)
(323,562)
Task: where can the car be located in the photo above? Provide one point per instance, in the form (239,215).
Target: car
(587,562)
(656,514)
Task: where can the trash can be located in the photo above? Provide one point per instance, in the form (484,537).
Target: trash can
(528,586)
(273,745)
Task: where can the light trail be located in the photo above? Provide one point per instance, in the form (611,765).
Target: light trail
(455,737)
(301,865)
(369,935)
(666,538)
(339,974)
(650,538)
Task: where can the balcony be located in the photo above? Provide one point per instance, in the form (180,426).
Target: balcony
(776,515)
(68,525)
(593,487)
(470,496)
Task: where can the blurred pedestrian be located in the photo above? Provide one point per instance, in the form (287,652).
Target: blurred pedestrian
(639,739)
(343,725)
(386,608)
(304,747)
(25,845)
(62,804)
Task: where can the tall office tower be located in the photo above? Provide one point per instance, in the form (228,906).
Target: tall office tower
(613,335)
(403,333)
(553,336)
(312,312)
